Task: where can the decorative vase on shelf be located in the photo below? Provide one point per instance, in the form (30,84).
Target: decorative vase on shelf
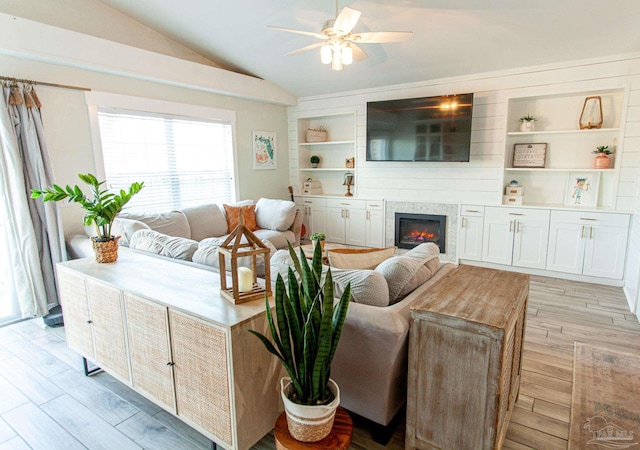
(527,125)
(601,161)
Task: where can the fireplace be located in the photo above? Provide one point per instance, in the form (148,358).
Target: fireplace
(412,230)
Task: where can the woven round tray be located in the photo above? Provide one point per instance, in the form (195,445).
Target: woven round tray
(106,252)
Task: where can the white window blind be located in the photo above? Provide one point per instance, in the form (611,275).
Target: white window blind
(182,161)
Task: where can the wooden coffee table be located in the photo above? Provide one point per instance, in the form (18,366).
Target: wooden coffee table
(338,439)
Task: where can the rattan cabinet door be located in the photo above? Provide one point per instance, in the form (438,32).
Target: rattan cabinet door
(107,316)
(201,373)
(149,351)
(77,324)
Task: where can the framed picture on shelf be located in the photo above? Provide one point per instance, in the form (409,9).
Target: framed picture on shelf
(582,189)
(265,156)
(529,155)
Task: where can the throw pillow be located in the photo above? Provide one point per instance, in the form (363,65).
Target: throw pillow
(163,245)
(205,221)
(356,258)
(125,229)
(367,286)
(398,271)
(233,215)
(275,215)
(207,254)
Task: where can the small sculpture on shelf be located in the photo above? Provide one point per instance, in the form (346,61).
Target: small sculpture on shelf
(314,160)
(528,123)
(601,161)
(348,182)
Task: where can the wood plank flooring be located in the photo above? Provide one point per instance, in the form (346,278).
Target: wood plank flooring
(47,403)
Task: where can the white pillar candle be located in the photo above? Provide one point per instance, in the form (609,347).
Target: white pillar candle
(245,279)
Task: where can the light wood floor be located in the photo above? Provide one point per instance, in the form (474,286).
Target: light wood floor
(47,403)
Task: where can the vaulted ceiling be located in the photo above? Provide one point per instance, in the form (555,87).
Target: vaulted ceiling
(451,38)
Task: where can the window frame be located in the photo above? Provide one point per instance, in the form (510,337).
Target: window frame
(94,100)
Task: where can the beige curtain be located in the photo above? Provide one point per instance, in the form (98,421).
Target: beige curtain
(33,229)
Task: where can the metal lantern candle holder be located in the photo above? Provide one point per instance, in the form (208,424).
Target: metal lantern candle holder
(234,249)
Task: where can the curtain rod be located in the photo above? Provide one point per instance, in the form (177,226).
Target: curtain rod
(41,83)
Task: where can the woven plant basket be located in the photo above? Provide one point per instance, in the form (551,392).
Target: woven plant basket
(319,135)
(309,423)
(106,252)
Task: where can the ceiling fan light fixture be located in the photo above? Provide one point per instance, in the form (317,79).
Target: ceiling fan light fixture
(336,63)
(326,54)
(347,55)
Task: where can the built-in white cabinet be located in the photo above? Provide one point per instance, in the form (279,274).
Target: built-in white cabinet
(515,236)
(470,232)
(588,243)
(374,228)
(315,214)
(346,221)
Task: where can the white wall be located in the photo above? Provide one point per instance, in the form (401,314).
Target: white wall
(481,180)
(68,136)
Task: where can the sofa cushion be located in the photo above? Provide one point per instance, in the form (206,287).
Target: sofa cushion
(232,214)
(278,238)
(207,254)
(205,221)
(161,244)
(356,258)
(367,286)
(125,229)
(275,215)
(172,223)
(399,271)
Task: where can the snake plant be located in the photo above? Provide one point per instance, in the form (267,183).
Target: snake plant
(101,211)
(308,328)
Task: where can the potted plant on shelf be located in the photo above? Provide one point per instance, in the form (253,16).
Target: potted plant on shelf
(101,210)
(315,160)
(528,123)
(318,238)
(601,161)
(305,339)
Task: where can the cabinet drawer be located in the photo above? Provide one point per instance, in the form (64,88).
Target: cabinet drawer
(345,203)
(590,218)
(310,201)
(472,210)
(516,213)
(375,204)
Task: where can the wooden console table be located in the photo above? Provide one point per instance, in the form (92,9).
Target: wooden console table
(465,350)
(162,328)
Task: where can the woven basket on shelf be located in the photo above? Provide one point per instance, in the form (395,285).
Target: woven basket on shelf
(106,252)
(319,135)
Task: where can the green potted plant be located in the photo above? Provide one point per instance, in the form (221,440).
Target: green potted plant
(315,160)
(304,338)
(601,161)
(318,238)
(528,123)
(102,209)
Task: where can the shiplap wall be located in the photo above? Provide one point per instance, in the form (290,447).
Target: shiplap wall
(482,179)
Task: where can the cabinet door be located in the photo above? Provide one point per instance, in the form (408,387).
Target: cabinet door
(150,354)
(77,325)
(305,220)
(566,247)
(470,241)
(497,244)
(356,224)
(317,220)
(107,317)
(335,226)
(530,243)
(374,232)
(605,249)
(205,399)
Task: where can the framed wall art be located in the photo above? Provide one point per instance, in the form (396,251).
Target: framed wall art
(529,155)
(582,189)
(265,155)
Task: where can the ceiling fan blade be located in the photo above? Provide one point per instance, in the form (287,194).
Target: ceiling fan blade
(290,30)
(358,53)
(304,49)
(379,37)
(346,20)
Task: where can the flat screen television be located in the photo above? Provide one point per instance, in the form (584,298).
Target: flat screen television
(420,129)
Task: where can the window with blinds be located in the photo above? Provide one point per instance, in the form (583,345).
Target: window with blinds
(182,161)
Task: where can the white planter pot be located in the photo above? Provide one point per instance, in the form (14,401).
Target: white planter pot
(309,423)
(527,125)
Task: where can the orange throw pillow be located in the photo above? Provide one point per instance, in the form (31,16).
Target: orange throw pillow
(233,214)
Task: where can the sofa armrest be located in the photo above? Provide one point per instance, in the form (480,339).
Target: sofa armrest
(296,228)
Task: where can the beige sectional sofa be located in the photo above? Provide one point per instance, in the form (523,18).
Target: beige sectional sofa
(193,234)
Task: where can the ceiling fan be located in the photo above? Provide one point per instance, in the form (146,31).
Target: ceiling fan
(339,46)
